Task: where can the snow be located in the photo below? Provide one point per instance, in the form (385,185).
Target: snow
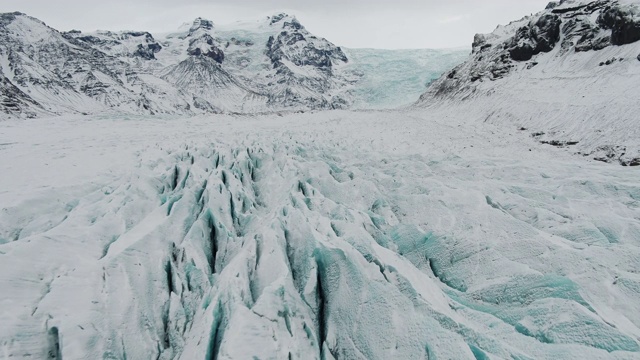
(358,235)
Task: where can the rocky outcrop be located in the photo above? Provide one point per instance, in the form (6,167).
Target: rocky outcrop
(284,47)
(136,44)
(201,41)
(148,48)
(538,36)
(201,24)
(623,21)
(14,101)
(205,46)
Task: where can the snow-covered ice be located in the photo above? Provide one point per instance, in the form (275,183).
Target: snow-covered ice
(334,235)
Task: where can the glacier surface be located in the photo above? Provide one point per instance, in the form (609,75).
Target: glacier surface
(331,235)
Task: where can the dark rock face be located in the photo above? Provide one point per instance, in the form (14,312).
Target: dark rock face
(205,46)
(147,35)
(614,154)
(281,47)
(7,18)
(638,57)
(201,43)
(479,43)
(201,23)
(592,39)
(546,32)
(624,22)
(539,36)
(522,52)
(146,49)
(15,101)
(214,53)
(147,52)
(292,25)
(277,18)
(93,40)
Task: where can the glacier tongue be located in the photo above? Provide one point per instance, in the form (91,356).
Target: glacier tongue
(235,238)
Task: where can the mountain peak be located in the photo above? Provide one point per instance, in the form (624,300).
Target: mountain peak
(12,14)
(279,17)
(8,17)
(201,23)
(286,21)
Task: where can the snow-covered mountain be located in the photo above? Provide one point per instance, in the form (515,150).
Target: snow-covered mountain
(58,73)
(568,75)
(272,64)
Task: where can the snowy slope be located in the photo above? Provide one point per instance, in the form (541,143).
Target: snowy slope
(567,75)
(324,235)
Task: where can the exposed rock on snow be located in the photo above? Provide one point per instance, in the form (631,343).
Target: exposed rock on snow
(539,36)
(210,50)
(623,21)
(15,102)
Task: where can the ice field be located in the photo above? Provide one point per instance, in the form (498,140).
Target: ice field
(329,235)
(390,79)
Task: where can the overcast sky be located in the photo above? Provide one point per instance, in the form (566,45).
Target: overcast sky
(389,24)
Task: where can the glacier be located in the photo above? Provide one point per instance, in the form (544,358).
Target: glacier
(270,237)
(389,78)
